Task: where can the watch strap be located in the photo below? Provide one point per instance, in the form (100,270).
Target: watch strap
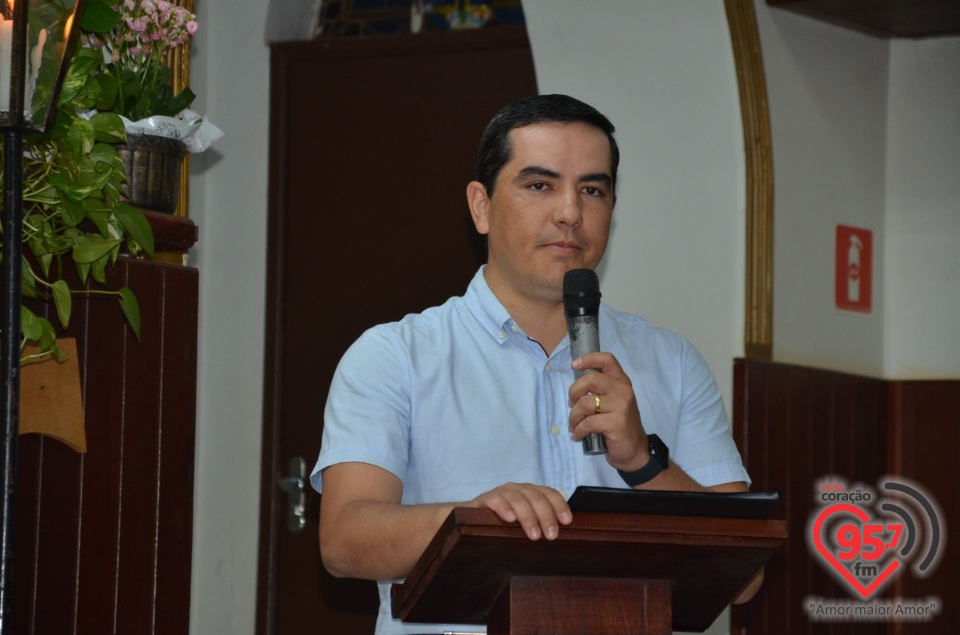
(659,460)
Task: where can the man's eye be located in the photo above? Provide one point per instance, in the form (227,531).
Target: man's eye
(538,187)
(593,191)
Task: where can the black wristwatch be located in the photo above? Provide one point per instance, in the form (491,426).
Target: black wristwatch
(659,460)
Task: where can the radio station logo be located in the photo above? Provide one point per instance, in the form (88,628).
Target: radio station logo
(866,538)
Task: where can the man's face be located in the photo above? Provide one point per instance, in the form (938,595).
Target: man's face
(550,210)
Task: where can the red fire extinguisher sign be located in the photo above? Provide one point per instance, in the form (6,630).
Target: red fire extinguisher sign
(854,272)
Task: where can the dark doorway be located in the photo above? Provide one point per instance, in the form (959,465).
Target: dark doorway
(372,144)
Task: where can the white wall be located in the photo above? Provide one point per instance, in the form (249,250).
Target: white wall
(229,204)
(664,75)
(865,133)
(922,309)
(827,90)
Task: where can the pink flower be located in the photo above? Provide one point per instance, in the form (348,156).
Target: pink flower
(192,27)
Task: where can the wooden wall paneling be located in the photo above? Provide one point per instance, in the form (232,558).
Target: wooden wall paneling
(925,428)
(27,508)
(56,542)
(794,425)
(174,538)
(141,425)
(100,519)
(825,458)
(103,540)
(46,548)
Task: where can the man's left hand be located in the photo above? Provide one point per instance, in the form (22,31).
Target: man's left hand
(604,402)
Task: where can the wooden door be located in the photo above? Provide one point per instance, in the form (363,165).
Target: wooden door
(372,144)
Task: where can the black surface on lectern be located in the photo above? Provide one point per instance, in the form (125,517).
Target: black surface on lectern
(749,505)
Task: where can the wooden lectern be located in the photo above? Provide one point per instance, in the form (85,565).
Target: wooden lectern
(605,573)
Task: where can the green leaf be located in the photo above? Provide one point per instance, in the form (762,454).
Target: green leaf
(108,128)
(94,250)
(131,310)
(46,196)
(171,107)
(111,195)
(136,225)
(80,186)
(81,67)
(106,91)
(61,124)
(38,329)
(30,325)
(63,302)
(99,17)
(73,213)
(28,283)
(83,270)
(48,339)
(99,269)
(100,219)
(45,261)
(80,137)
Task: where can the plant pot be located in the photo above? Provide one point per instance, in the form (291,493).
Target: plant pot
(153,167)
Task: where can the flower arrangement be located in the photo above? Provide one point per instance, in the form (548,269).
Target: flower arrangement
(133,53)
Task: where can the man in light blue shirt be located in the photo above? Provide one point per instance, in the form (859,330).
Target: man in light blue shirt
(474,403)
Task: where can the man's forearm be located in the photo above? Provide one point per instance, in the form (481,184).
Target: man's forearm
(675,479)
(376,540)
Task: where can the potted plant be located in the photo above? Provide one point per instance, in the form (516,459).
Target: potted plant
(77,191)
(73,180)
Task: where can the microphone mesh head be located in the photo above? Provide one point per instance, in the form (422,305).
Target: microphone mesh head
(581,289)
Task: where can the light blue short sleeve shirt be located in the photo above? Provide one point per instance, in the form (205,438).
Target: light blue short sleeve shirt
(457,400)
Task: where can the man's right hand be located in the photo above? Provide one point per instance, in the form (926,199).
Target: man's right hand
(540,510)
(365,531)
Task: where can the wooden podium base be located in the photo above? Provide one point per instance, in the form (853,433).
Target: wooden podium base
(532,605)
(605,573)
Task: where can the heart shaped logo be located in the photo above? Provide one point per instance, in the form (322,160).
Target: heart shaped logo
(851,539)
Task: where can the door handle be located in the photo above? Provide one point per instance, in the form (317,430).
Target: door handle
(293,484)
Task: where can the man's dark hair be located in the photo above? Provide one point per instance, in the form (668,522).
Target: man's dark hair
(495,143)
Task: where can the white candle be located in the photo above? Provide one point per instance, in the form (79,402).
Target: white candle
(33,72)
(6,42)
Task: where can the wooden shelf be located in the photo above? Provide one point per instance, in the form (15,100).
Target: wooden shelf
(883,18)
(172,233)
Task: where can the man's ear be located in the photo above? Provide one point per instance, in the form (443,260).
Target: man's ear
(479,204)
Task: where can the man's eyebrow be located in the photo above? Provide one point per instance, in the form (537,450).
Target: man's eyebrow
(597,177)
(536,170)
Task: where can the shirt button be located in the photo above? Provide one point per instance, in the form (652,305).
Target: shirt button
(548,367)
(513,327)
(501,335)
(555,429)
(563,493)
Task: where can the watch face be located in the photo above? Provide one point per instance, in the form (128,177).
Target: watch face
(659,451)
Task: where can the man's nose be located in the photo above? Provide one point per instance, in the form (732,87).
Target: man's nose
(569,211)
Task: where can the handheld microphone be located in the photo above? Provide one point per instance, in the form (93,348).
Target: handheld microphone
(581,302)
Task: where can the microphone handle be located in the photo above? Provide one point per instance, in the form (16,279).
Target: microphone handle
(585,338)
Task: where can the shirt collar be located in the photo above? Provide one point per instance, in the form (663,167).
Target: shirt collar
(491,314)
(485,306)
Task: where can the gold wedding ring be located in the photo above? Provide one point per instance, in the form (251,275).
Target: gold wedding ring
(596,399)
